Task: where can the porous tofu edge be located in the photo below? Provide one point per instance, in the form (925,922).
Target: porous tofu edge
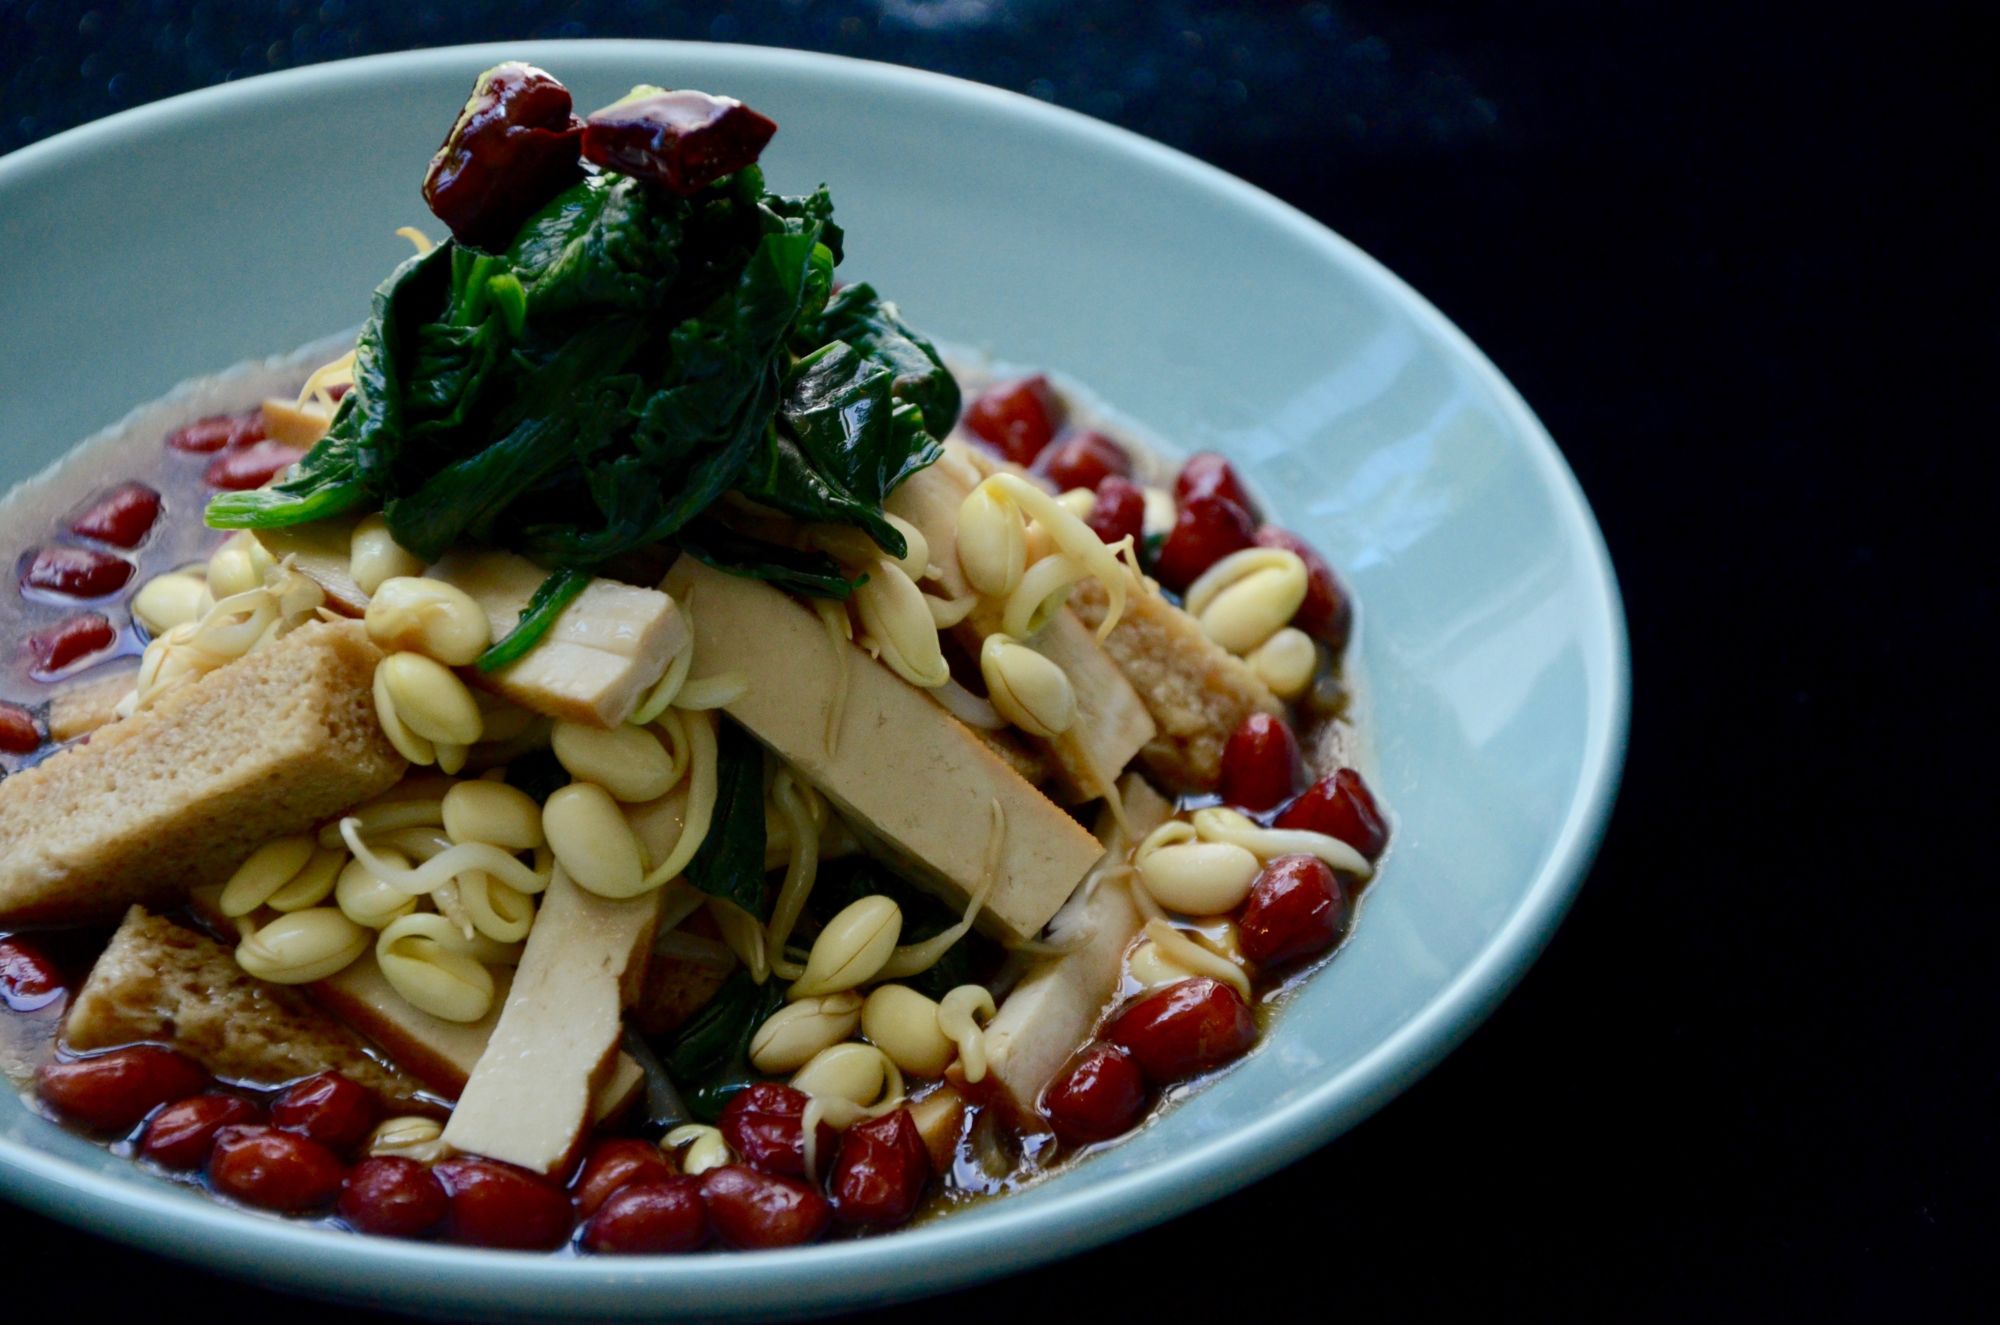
(439,1053)
(1055,1007)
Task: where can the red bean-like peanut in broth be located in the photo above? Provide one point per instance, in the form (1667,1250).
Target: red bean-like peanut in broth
(1340,805)
(273,1170)
(1184,1029)
(1206,529)
(76,572)
(392,1196)
(1119,511)
(1099,1094)
(111,1092)
(757,1211)
(881,1170)
(659,1216)
(1260,763)
(1296,908)
(181,1135)
(617,1162)
(331,1109)
(764,1124)
(121,517)
(498,1205)
(1082,460)
(28,979)
(1017,418)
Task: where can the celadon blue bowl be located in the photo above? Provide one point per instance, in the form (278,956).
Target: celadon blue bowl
(238,222)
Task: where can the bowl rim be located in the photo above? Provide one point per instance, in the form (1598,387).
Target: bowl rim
(156,1216)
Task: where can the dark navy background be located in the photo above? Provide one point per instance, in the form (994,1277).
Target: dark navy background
(1733,257)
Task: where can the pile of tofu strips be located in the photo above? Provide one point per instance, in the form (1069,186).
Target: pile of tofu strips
(154,812)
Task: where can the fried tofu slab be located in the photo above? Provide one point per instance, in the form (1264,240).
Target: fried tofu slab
(181,794)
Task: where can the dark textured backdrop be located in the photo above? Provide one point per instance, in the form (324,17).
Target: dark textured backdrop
(1733,258)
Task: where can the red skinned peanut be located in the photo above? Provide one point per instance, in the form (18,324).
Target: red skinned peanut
(273,1170)
(330,1108)
(659,1216)
(880,1175)
(1207,474)
(1296,908)
(1185,1028)
(500,1205)
(122,517)
(392,1196)
(1206,529)
(111,1092)
(181,1135)
(1082,460)
(1017,419)
(1101,1094)
(756,1211)
(1340,805)
(1120,510)
(764,1124)
(1260,763)
(618,1162)
(28,979)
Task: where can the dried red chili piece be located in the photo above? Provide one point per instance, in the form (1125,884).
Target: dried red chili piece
(513,147)
(682,140)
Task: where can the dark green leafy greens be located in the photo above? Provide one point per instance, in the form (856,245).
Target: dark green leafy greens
(600,385)
(709,1057)
(544,606)
(730,861)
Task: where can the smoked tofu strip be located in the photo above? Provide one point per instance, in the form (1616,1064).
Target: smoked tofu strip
(601,654)
(1112,723)
(1197,691)
(158,982)
(182,793)
(442,1054)
(902,768)
(529,1100)
(599,657)
(1055,1007)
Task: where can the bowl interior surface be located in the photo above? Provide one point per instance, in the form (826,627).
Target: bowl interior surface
(181,238)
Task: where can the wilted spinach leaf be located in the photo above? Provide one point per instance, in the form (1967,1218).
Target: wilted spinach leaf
(730,862)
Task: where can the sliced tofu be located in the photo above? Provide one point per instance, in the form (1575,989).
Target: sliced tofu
(1055,1007)
(599,657)
(182,793)
(940,1120)
(442,1054)
(1112,723)
(294,424)
(1197,692)
(601,654)
(530,1098)
(159,982)
(903,769)
(321,552)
